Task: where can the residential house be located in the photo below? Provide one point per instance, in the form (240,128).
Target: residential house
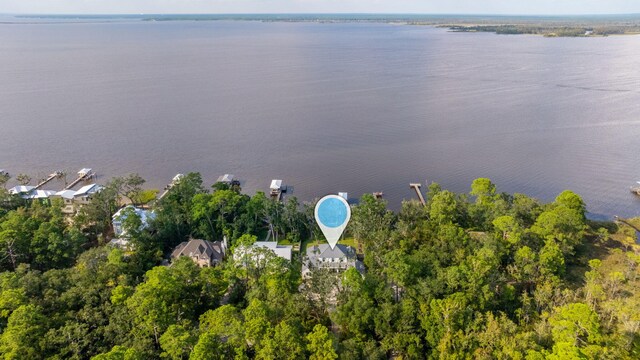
(23,190)
(67,197)
(120,216)
(73,200)
(85,193)
(204,253)
(340,258)
(283,251)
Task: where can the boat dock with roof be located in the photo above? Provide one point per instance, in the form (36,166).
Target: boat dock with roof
(85,174)
(277,189)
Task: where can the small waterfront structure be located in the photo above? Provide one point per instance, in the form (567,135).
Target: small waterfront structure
(276,189)
(176,179)
(276,185)
(204,253)
(121,215)
(340,258)
(636,189)
(283,251)
(84,174)
(4,172)
(226,178)
(229,179)
(344,195)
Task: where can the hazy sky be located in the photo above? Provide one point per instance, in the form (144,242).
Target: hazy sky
(323,6)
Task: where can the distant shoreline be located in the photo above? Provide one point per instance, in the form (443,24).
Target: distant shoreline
(544,25)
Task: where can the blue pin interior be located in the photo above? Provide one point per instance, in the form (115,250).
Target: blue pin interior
(332,212)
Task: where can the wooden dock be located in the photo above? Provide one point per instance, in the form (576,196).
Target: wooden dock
(416,187)
(173,183)
(83,175)
(51,176)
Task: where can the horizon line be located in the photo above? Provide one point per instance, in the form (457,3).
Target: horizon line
(324,13)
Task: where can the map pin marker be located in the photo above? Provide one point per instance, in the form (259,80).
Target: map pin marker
(332,214)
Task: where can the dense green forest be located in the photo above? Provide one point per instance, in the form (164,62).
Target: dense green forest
(484,275)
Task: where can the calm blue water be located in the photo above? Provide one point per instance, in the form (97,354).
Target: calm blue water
(325,107)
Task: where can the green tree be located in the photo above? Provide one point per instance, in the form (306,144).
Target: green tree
(209,347)
(177,342)
(320,344)
(120,353)
(286,344)
(575,329)
(22,338)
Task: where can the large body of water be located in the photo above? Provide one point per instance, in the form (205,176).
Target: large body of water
(325,107)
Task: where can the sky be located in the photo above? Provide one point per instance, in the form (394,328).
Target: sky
(521,7)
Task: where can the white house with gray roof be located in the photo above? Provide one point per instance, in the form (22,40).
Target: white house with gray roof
(322,256)
(74,199)
(283,251)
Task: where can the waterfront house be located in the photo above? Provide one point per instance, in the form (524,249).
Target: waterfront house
(31,192)
(85,193)
(340,258)
(73,200)
(121,215)
(67,197)
(22,190)
(204,253)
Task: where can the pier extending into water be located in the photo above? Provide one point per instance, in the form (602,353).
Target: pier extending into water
(416,187)
(51,176)
(83,175)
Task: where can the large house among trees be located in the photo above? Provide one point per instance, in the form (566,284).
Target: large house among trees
(340,258)
(204,253)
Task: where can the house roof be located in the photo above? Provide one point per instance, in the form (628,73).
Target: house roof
(226,178)
(21,189)
(283,251)
(201,249)
(325,251)
(41,194)
(145,215)
(276,184)
(88,189)
(67,194)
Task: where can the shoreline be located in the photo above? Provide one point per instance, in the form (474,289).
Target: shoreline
(547,26)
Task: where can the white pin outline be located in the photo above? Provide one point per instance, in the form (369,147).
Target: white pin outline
(332,235)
